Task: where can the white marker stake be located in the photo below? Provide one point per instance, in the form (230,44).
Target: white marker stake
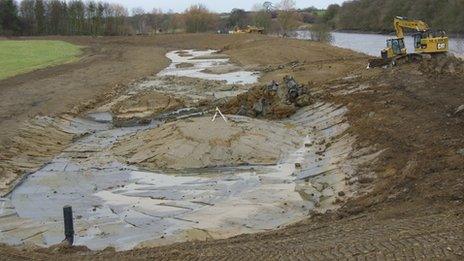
(220,113)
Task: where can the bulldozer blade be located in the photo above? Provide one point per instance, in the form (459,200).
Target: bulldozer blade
(378,62)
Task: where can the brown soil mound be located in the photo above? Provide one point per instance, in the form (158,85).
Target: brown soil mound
(449,64)
(184,65)
(144,106)
(221,69)
(211,57)
(416,117)
(200,143)
(183,53)
(199,85)
(37,142)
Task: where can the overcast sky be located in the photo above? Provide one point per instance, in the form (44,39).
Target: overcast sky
(215,5)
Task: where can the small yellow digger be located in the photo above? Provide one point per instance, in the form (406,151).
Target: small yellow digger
(426,43)
(248,30)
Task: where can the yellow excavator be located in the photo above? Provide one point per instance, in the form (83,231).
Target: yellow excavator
(426,43)
(248,30)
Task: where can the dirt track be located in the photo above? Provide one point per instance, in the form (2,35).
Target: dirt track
(416,207)
(365,237)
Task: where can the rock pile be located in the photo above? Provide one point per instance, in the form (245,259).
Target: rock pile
(273,101)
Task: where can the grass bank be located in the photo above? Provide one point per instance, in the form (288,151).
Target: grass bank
(18,57)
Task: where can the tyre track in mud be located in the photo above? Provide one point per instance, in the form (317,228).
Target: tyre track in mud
(409,238)
(358,238)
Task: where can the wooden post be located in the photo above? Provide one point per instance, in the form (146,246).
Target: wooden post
(68,224)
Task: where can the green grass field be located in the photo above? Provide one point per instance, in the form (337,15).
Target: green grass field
(18,57)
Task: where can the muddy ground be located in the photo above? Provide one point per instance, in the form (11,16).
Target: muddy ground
(412,113)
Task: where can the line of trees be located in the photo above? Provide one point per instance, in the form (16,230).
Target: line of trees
(196,18)
(88,17)
(76,17)
(281,17)
(378,15)
(53,17)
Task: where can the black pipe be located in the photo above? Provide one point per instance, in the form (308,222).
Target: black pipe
(68,224)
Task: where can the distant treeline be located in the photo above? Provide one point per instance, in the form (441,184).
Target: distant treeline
(53,17)
(77,17)
(378,15)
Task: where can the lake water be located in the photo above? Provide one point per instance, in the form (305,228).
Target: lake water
(372,44)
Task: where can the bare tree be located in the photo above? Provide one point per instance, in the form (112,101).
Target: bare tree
(321,33)
(287,16)
(120,16)
(156,20)
(175,21)
(261,16)
(140,18)
(268,6)
(238,18)
(199,19)
(286,5)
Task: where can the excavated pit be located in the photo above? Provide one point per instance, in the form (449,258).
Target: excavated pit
(202,143)
(155,183)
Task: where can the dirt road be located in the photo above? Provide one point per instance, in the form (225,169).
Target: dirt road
(415,205)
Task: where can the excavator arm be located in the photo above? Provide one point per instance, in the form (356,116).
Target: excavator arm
(401,23)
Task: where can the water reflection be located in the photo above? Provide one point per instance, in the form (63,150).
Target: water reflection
(372,43)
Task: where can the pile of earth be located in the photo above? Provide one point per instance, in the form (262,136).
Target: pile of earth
(183,53)
(37,141)
(272,101)
(197,85)
(195,89)
(184,65)
(444,64)
(222,69)
(143,107)
(200,143)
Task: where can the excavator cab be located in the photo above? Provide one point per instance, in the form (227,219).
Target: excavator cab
(431,42)
(394,48)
